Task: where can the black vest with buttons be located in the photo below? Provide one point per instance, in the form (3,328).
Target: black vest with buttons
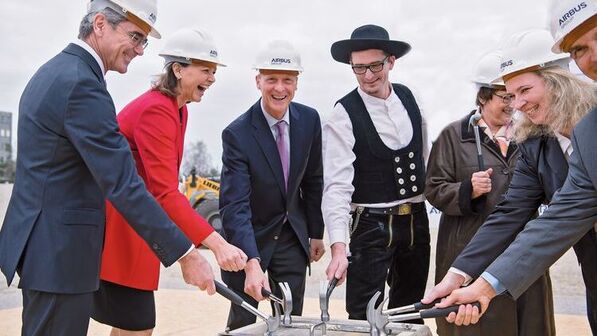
(381,174)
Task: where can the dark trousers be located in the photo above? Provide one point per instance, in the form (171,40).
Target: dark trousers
(51,314)
(288,264)
(592,313)
(586,252)
(395,251)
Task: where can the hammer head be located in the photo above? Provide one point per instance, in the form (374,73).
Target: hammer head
(474,120)
(287,299)
(323,300)
(377,320)
(273,322)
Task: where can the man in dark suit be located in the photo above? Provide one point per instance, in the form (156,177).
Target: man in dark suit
(270,199)
(71,158)
(573,210)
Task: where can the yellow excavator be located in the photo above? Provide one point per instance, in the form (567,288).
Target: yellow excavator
(204,194)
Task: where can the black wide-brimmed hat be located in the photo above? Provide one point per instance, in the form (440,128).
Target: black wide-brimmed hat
(368,37)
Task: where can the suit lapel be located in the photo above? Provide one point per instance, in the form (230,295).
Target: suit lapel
(555,159)
(263,136)
(87,58)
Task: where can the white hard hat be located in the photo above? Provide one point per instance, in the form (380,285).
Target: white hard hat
(189,44)
(487,69)
(530,49)
(567,15)
(279,55)
(144,10)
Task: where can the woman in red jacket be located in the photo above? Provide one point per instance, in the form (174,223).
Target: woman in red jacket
(154,125)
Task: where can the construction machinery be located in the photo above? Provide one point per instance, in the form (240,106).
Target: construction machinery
(203,194)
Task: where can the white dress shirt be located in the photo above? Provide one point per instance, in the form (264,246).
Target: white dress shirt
(392,122)
(93,53)
(565,145)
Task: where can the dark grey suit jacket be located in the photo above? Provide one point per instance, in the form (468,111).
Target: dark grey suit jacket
(71,158)
(540,171)
(572,212)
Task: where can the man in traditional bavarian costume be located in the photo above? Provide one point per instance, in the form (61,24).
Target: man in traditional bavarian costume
(374,145)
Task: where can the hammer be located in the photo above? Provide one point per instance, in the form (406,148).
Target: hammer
(272,322)
(378,320)
(325,291)
(474,122)
(285,302)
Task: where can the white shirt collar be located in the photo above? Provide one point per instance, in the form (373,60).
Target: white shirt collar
(374,101)
(93,53)
(271,121)
(565,144)
(504,132)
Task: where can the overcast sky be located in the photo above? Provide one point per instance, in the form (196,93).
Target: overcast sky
(447,37)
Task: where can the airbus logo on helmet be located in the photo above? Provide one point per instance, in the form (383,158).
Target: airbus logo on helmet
(569,15)
(278,60)
(213,53)
(506,64)
(152,18)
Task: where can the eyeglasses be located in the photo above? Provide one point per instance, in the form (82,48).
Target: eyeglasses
(506,99)
(137,39)
(360,69)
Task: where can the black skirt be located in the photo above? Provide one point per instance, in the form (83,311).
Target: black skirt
(124,307)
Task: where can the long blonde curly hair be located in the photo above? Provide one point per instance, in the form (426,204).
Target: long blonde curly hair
(568,100)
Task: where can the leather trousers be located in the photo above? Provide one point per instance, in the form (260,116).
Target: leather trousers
(387,248)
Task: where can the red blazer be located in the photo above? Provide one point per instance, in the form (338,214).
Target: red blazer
(154,128)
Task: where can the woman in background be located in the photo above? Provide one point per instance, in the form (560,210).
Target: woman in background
(466,195)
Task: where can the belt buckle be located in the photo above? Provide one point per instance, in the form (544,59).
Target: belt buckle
(404,209)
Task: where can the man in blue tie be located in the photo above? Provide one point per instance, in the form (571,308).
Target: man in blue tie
(272,182)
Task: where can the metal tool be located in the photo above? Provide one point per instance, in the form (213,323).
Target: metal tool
(325,291)
(413,307)
(332,286)
(285,302)
(272,322)
(271,296)
(302,324)
(379,320)
(474,122)
(373,316)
